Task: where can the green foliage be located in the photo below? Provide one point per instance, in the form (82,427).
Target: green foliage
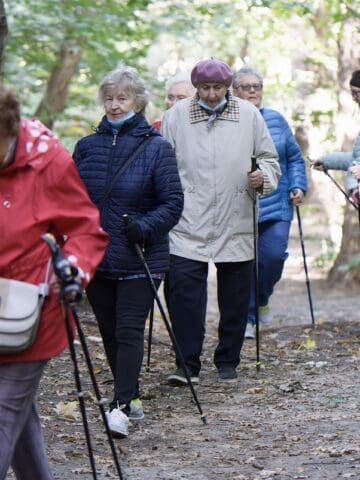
(109,32)
(290,42)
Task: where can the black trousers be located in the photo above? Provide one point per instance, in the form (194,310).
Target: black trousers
(186,293)
(121,308)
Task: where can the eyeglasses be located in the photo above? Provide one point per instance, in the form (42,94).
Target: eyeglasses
(248,86)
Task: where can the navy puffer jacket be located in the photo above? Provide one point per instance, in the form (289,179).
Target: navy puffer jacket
(276,205)
(149,191)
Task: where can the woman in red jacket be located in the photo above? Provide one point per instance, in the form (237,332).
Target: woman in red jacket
(40,191)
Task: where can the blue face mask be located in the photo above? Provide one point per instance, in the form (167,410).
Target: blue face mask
(218,107)
(117,123)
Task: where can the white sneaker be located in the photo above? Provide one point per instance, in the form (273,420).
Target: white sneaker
(250,330)
(136,410)
(118,423)
(265,315)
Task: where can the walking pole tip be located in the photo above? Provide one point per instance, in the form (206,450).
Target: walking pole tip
(204,419)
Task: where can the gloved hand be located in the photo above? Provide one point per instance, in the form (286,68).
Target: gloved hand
(133,233)
(355,170)
(317,164)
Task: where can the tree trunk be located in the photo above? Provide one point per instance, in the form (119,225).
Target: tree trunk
(55,97)
(348,50)
(3,35)
(346,268)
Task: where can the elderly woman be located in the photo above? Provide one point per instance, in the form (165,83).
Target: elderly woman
(149,191)
(214,136)
(276,209)
(349,161)
(39,186)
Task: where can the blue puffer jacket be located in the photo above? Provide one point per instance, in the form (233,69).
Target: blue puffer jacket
(149,191)
(276,205)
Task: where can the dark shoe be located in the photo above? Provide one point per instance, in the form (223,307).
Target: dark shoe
(178,378)
(227,374)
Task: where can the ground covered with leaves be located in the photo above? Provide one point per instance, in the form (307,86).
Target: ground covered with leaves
(297,418)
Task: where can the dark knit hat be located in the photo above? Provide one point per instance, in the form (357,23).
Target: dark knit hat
(211,70)
(355,79)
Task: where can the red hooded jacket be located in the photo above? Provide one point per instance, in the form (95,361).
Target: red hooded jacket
(41,192)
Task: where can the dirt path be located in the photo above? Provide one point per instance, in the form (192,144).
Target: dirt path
(296,419)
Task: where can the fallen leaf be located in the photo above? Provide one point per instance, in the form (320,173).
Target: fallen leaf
(67,410)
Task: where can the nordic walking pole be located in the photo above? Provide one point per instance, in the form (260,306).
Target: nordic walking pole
(151,326)
(99,399)
(305,265)
(71,289)
(70,295)
(179,355)
(317,163)
(80,393)
(254,166)
(348,198)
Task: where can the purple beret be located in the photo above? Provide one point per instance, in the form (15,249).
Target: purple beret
(211,71)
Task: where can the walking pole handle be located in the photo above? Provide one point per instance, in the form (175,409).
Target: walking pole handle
(127,219)
(254,165)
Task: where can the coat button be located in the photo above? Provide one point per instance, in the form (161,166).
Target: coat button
(7,203)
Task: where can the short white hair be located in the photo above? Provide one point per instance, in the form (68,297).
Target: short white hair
(129,79)
(242,73)
(180,77)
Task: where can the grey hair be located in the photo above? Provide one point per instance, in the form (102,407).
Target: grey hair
(242,73)
(180,77)
(129,79)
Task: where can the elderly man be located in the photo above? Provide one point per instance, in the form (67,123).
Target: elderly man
(177,88)
(214,136)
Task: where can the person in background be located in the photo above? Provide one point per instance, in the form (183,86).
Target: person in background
(275,209)
(150,192)
(348,161)
(354,183)
(39,186)
(214,136)
(177,88)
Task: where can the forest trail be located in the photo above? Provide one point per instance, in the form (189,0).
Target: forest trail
(298,418)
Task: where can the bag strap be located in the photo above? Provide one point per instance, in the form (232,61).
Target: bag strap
(123,168)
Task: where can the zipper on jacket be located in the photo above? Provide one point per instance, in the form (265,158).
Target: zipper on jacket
(114,139)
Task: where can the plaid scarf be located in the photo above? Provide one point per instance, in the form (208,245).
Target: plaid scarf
(198,114)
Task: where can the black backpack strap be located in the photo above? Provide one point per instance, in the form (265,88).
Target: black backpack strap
(124,167)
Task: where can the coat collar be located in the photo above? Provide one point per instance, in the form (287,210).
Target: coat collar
(197,114)
(137,126)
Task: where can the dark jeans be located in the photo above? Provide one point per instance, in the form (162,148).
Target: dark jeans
(272,253)
(186,294)
(121,308)
(21,438)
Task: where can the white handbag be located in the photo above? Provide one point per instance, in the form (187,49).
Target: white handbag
(20,310)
